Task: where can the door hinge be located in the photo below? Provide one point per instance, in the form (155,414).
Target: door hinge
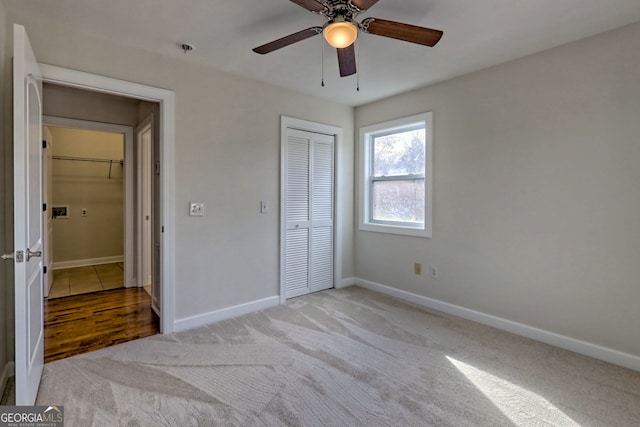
(157,168)
(44,207)
(44,270)
(44,143)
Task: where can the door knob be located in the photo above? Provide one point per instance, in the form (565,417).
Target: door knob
(33,254)
(6,256)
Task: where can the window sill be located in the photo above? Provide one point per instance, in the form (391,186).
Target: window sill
(394,229)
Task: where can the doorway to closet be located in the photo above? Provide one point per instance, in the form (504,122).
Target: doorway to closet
(100,225)
(85,185)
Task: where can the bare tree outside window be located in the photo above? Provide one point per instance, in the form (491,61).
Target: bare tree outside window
(397,176)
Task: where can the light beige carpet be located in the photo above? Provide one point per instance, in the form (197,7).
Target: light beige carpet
(346,357)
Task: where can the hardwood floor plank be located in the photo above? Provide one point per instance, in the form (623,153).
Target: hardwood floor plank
(82,323)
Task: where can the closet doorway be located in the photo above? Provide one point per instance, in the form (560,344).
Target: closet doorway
(309,257)
(101,175)
(86,190)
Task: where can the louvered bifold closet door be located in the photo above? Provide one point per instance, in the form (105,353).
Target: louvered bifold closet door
(297,212)
(308,258)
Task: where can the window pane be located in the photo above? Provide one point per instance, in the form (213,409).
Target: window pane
(400,153)
(398,201)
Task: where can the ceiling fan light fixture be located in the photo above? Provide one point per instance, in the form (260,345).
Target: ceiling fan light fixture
(341,34)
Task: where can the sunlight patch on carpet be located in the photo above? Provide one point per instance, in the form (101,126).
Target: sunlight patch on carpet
(521,406)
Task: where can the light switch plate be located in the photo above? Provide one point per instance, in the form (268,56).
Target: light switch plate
(196,209)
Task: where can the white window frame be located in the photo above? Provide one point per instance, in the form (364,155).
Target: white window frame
(366,224)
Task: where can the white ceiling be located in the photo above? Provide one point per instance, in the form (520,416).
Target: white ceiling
(477,34)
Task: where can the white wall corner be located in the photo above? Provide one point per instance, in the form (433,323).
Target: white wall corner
(345,283)
(224,313)
(605,354)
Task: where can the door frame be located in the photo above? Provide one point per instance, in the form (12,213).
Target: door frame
(287,122)
(166,99)
(47,219)
(128,212)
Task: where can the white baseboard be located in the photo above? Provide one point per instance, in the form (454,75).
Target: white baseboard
(224,313)
(86,262)
(346,282)
(7,372)
(582,347)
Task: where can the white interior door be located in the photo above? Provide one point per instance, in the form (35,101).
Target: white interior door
(308,172)
(144,205)
(28,246)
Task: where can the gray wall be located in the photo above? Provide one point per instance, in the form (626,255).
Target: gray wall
(61,101)
(227,155)
(536,192)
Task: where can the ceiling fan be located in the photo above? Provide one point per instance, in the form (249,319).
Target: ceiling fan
(341,30)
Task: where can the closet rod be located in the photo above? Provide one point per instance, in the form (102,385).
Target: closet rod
(87,159)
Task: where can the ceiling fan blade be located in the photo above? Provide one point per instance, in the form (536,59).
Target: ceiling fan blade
(312,5)
(363,4)
(347,61)
(400,31)
(288,40)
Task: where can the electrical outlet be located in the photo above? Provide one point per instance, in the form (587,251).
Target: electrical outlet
(434,272)
(84,212)
(417,268)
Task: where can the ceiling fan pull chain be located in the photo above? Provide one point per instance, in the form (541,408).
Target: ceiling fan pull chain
(358,66)
(322,82)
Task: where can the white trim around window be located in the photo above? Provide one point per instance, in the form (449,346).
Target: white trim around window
(367,178)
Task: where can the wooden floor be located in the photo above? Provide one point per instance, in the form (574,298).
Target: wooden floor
(82,323)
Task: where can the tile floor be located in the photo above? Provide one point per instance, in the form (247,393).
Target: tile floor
(82,280)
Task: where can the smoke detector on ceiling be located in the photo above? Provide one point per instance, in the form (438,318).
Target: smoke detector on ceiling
(186,47)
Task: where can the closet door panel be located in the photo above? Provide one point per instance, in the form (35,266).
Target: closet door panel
(321,214)
(297,262)
(296,268)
